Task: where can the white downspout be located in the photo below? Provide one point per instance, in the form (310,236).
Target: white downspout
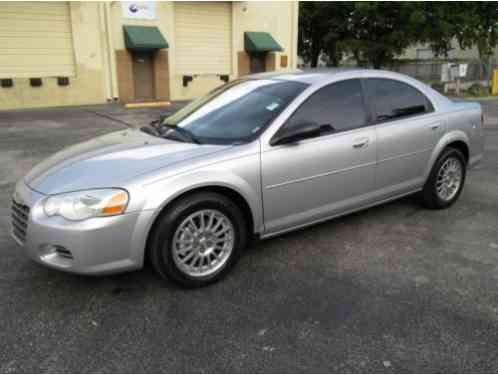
(111,52)
(104,50)
(295,26)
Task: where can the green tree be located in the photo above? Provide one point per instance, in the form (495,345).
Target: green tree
(478,26)
(376,32)
(379,31)
(470,23)
(322,27)
(438,24)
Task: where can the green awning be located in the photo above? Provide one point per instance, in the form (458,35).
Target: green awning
(144,38)
(260,42)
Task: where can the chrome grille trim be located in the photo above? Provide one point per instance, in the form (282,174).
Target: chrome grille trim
(19,216)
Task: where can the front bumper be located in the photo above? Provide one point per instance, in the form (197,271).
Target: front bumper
(95,246)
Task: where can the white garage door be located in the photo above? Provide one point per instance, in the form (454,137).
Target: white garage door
(35,40)
(203,35)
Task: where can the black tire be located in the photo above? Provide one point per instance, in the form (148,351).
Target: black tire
(429,195)
(161,242)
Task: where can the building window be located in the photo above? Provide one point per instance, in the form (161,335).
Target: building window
(6,82)
(63,81)
(35,82)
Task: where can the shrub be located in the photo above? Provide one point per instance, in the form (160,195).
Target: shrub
(438,86)
(477,89)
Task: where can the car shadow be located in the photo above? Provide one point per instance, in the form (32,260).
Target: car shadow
(259,252)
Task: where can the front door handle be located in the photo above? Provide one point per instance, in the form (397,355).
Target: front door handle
(360,143)
(435,126)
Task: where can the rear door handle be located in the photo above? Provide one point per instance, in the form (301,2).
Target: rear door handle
(360,143)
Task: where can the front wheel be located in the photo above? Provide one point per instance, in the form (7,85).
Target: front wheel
(198,240)
(446,180)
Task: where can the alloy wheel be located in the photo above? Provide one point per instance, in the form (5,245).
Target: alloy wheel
(449,179)
(203,243)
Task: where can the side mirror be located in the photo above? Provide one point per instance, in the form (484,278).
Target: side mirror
(296,133)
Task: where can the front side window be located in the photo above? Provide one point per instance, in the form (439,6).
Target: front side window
(337,107)
(236,112)
(394,99)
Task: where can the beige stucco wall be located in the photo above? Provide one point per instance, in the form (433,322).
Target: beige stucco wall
(277,17)
(86,87)
(164,21)
(455,53)
(98,33)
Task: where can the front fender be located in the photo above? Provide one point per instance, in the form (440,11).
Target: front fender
(450,137)
(160,194)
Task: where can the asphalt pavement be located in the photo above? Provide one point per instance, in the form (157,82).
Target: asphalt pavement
(396,288)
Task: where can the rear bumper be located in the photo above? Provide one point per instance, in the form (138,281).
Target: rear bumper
(93,247)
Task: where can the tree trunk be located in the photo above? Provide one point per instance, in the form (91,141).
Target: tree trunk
(356,55)
(314,59)
(315,50)
(332,52)
(377,62)
(484,62)
(378,59)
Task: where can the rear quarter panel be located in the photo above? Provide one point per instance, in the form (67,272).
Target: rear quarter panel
(463,123)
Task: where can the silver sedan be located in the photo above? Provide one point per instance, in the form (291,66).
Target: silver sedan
(257,157)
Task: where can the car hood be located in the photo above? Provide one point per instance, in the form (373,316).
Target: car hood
(110,161)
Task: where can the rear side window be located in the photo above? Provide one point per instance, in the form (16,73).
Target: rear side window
(339,105)
(393,99)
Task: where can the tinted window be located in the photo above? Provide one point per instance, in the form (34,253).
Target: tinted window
(237,111)
(393,99)
(339,105)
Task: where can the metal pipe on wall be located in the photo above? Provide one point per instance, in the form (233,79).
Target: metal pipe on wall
(105,52)
(111,51)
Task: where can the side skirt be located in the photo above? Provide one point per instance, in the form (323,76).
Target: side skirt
(344,213)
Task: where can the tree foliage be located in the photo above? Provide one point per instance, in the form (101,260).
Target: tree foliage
(382,30)
(436,25)
(479,26)
(375,32)
(322,26)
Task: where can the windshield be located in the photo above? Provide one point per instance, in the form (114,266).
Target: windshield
(236,112)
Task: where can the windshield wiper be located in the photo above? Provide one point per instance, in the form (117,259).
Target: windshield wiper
(182,131)
(149,129)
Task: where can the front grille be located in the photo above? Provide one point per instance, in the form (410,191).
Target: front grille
(20,215)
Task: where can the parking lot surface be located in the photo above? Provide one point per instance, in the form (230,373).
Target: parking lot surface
(396,288)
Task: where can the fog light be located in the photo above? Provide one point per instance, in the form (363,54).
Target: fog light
(48,251)
(63,252)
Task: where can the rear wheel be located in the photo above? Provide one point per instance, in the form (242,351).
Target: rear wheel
(198,240)
(446,180)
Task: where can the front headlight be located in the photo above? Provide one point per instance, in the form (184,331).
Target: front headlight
(81,205)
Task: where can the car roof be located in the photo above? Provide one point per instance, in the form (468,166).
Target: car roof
(321,76)
(309,76)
